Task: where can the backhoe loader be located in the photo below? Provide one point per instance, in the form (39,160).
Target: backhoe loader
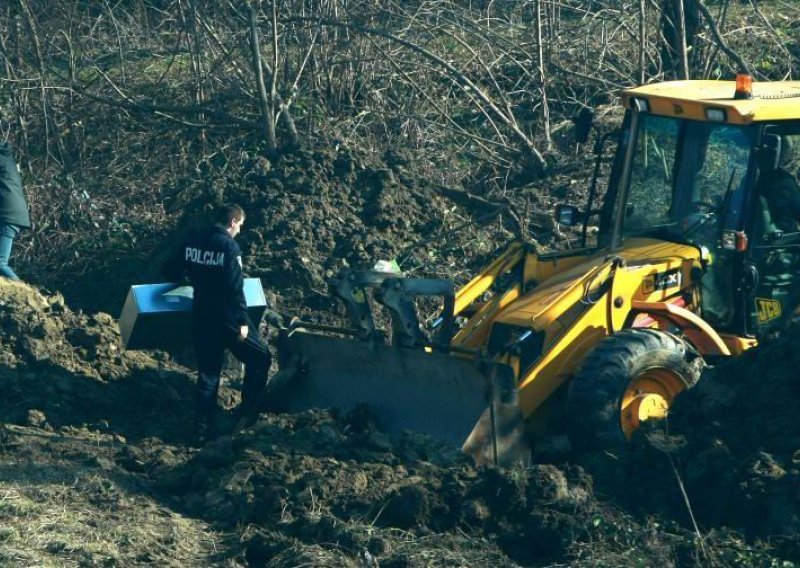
(686,266)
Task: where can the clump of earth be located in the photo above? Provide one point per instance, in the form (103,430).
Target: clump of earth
(101,467)
(316,211)
(729,454)
(738,443)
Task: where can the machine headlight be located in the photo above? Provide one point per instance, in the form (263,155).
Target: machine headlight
(716,115)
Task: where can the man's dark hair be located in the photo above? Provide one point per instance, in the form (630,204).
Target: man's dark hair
(227,213)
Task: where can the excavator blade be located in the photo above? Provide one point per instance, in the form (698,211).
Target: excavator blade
(470,404)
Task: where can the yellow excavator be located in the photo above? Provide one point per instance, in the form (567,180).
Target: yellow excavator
(692,256)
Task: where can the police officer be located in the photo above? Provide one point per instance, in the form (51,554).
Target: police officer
(13,208)
(213,262)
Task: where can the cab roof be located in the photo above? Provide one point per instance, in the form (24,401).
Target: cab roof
(777,100)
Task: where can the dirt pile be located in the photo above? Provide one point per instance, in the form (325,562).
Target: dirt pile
(742,456)
(36,328)
(319,209)
(315,479)
(311,212)
(70,402)
(334,206)
(729,455)
(60,368)
(97,452)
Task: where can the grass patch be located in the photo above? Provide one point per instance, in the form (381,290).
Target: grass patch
(64,517)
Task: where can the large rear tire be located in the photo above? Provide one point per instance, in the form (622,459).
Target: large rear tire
(628,378)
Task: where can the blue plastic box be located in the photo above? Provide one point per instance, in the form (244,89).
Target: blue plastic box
(158,316)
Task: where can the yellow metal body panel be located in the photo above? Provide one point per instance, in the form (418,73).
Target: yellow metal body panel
(476,287)
(700,333)
(738,345)
(778,100)
(581,300)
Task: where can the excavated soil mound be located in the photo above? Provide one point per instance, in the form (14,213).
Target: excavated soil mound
(61,368)
(742,452)
(98,466)
(317,210)
(312,478)
(729,455)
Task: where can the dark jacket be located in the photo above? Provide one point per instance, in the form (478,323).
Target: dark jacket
(213,262)
(13,207)
(782,193)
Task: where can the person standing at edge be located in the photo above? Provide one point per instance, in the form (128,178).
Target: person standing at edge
(213,262)
(13,208)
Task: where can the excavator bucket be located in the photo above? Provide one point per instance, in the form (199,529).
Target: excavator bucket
(469,403)
(413,381)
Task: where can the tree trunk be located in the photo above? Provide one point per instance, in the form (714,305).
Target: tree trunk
(267,105)
(642,40)
(680,23)
(542,76)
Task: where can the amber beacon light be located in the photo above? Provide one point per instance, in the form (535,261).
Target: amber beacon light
(744,86)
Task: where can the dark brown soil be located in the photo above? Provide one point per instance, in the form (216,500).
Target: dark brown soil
(315,211)
(739,444)
(99,464)
(107,431)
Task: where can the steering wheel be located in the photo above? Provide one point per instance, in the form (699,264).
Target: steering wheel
(703,212)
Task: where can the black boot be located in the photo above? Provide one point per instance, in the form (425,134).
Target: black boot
(205,426)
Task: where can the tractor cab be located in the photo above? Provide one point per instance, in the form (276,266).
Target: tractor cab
(699,165)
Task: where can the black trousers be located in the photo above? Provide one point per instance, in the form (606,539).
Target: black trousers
(210,343)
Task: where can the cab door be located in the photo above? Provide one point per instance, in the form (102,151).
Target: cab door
(774,272)
(772,275)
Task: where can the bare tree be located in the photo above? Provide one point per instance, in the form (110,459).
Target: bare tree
(542,75)
(266,100)
(492,81)
(680,20)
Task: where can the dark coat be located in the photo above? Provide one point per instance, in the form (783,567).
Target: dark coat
(782,193)
(213,262)
(13,207)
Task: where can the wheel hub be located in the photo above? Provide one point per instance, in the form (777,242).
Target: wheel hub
(649,397)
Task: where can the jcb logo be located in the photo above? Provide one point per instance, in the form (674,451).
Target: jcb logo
(767,309)
(661,281)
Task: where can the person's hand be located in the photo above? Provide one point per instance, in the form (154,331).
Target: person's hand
(243,330)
